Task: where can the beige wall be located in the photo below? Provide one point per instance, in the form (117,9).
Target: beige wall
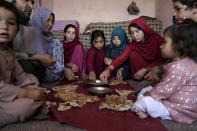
(87,11)
(164,12)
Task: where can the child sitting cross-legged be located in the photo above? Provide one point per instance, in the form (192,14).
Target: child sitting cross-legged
(20,95)
(174,97)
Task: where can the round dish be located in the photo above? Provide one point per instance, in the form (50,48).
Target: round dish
(95,83)
(99,90)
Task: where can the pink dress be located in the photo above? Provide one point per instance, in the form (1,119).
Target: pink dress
(177,90)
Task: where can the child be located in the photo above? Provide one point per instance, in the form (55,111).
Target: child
(174,97)
(96,54)
(20,95)
(74,56)
(118,43)
(143,52)
(183,10)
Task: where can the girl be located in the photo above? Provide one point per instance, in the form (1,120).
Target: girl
(174,97)
(74,56)
(20,95)
(183,10)
(96,55)
(118,43)
(43,20)
(143,51)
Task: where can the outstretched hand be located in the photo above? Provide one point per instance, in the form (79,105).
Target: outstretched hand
(104,76)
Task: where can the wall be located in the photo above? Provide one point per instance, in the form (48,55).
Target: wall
(164,12)
(87,11)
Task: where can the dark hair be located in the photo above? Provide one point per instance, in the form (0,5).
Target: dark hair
(135,25)
(8,6)
(66,28)
(53,17)
(188,3)
(97,33)
(184,38)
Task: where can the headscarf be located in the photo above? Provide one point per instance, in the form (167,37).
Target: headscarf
(38,21)
(123,38)
(69,47)
(150,47)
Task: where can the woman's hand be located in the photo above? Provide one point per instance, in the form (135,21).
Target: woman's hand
(45,59)
(92,76)
(119,74)
(107,61)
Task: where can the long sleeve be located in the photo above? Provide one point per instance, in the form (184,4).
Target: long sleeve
(122,58)
(78,58)
(56,71)
(172,80)
(8,92)
(90,60)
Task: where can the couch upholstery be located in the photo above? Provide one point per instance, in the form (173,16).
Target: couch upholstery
(107,27)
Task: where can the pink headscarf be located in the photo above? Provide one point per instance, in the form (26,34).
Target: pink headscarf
(69,47)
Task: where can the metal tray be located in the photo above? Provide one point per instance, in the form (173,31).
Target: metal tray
(99,90)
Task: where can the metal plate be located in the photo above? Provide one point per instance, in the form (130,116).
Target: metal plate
(99,90)
(95,83)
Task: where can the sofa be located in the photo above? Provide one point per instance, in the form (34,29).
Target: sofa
(107,27)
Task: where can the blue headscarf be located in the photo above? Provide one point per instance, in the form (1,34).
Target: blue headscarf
(123,38)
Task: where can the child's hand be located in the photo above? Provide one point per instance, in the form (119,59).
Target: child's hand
(74,68)
(119,74)
(153,73)
(104,75)
(92,76)
(69,74)
(107,61)
(36,94)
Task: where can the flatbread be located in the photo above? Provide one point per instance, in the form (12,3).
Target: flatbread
(74,99)
(117,82)
(117,103)
(65,88)
(77,82)
(123,92)
(63,107)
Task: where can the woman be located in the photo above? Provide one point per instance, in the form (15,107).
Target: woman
(143,52)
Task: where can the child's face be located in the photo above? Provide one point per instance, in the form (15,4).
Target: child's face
(182,12)
(70,34)
(116,41)
(49,24)
(137,35)
(99,43)
(167,50)
(8,26)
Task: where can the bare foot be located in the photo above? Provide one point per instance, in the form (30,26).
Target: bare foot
(141,114)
